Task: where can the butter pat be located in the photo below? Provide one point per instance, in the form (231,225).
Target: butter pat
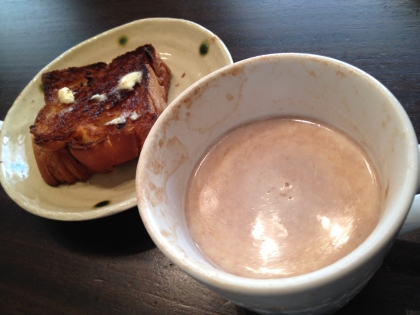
(134,116)
(99,97)
(117,121)
(65,95)
(122,119)
(128,81)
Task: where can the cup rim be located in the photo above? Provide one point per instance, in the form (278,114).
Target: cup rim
(374,244)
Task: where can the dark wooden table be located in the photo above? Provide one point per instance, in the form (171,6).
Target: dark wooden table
(110,265)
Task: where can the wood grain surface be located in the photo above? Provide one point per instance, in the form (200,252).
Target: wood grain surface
(110,265)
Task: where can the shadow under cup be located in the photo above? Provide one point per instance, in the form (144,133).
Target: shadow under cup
(297,85)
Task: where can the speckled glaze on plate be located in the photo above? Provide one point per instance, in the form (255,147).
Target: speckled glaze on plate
(190,50)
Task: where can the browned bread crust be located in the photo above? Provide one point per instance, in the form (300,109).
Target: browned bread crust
(86,136)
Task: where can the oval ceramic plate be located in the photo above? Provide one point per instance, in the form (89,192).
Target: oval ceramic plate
(191,52)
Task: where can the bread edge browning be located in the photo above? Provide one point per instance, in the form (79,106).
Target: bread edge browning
(59,166)
(115,150)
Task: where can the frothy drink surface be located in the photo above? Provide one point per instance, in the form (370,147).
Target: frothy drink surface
(282,197)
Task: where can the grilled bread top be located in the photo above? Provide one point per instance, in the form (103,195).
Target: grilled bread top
(101,104)
(98,116)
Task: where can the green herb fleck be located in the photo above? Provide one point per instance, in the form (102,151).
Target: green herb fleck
(123,40)
(204,48)
(102,204)
(41,88)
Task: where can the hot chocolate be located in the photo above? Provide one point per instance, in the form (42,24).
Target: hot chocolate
(282,197)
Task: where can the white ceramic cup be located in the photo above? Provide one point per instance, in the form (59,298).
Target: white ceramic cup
(301,85)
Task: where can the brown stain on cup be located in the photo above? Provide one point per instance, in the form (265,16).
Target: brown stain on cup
(161,142)
(339,73)
(157,194)
(386,191)
(179,155)
(312,73)
(187,102)
(237,71)
(384,124)
(157,167)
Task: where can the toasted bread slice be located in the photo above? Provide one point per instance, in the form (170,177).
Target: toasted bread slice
(98,116)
